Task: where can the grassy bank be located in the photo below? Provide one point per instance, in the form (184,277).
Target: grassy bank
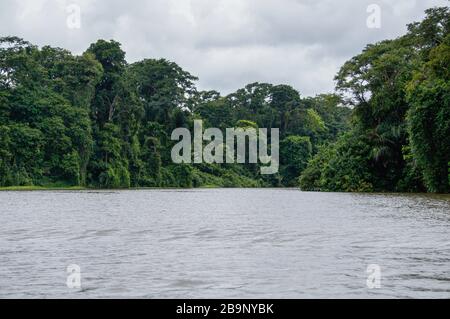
(52,188)
(40,188)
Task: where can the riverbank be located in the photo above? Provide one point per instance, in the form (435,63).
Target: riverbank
(78,188)
(53,188)
(40,188)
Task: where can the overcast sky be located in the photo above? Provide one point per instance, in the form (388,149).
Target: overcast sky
(226,43)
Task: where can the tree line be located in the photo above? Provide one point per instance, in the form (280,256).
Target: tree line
(95,120)
(400,134)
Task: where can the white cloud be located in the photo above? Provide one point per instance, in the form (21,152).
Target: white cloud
(226,43)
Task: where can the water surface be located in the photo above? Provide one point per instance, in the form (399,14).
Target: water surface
(223,243)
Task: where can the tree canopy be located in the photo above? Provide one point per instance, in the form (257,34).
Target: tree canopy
(95,120)
(400,136)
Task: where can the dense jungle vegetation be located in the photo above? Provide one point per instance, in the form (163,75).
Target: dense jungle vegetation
(95,120)
(400,134)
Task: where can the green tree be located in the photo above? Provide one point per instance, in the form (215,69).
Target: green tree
(295,151)
(429,118)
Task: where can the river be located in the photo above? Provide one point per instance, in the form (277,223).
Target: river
(224,243)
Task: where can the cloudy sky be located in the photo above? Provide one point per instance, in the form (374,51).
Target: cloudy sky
(226,43)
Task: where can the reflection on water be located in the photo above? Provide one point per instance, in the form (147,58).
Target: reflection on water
(229,243)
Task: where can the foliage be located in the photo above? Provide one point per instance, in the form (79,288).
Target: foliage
(343,166)
(295,152)
(429,118)
(399,91)
(95,120)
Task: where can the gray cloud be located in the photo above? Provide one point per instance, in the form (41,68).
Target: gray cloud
(226,43)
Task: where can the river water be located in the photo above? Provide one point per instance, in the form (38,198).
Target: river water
(224,243)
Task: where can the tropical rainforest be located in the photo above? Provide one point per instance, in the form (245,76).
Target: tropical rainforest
(95,120)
